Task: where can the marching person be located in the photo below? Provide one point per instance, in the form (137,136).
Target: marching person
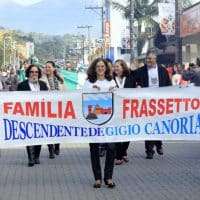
(33,73)
(150,75)
(54,82)
(192,75)
(121,72)
(99,78)
(102,146)
(1,83)
(12,80)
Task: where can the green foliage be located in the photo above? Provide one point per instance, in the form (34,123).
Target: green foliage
(186,3)
(47,47)
(142,9)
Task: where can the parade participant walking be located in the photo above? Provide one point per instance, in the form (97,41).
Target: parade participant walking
(100,79)
(192,75)
(150,75)
(54,82)
(33,73)
(1,82)
(121,72)
(102,146)
(12,80)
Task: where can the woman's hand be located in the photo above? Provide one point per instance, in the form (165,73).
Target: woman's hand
(111,88)
(96,87)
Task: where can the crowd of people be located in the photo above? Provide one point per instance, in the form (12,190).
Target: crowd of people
(102,75)
(8,79)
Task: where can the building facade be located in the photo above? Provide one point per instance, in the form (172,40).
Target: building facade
(190,33)
(116,32)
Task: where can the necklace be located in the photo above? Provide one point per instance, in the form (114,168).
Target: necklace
(120,81)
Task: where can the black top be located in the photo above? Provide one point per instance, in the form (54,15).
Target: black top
(140,77)
(24,86)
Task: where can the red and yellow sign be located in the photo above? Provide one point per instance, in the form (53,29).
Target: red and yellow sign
(190,23)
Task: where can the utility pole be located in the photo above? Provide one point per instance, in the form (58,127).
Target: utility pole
(102,19)
(88,29)
(83,48)
(88,33)
(102,16)
(4,52)
(6,39)
(15,54)
(178,52)
(83,40)
(132,37)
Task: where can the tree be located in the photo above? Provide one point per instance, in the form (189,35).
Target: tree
(144,10)
(186,3)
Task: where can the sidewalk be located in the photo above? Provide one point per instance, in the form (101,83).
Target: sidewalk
(174,176)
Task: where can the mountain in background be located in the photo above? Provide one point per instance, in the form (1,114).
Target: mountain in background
(49,16)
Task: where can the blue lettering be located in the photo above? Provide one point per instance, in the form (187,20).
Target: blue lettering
(7,129)
(93,131)
(53,131)
(22,128)
(28,130)
(36,129)
(147,127)
(109,131)
(14,129)
(175,126)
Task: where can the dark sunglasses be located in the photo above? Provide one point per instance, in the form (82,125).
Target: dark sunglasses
(36,72)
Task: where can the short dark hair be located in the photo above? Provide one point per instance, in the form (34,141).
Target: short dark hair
(151,51)
(125,68)
(29,69)
(91,72)
(51,62)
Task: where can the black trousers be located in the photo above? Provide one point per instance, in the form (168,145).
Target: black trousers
(53,147)
(57,147)
(121,149)
(33,152)
(109,162)
(149,145)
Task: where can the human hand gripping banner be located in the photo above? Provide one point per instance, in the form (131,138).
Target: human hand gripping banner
(29,118)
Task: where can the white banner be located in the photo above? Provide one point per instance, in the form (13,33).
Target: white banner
(169,113)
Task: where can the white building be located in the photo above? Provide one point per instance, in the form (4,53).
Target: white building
(119,33)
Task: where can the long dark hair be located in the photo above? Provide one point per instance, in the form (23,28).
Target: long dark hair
(28,70)
(124,66)
(91,72)
(56,74)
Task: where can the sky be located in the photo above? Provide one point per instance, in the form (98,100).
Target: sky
(50,16)
(104,100)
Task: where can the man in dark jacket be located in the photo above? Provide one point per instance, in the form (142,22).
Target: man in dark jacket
(33,73)
(192,75)
(150,75)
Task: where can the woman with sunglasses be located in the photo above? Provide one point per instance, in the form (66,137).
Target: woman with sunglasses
(33,84)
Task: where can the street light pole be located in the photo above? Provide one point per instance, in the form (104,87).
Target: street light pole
(83,49)
(131,23)
(102,19)
(83,40)
(14,54)
(102,16)
(178,52)
(88,33)
(4,52)
(4,49)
